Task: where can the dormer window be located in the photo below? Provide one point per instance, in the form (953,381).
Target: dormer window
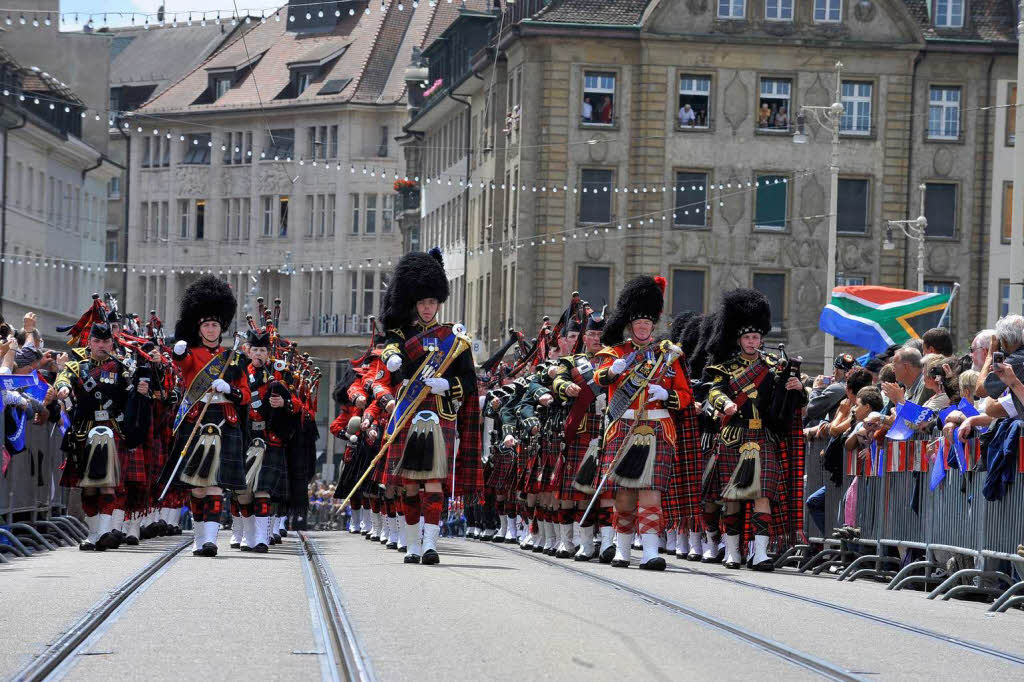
(221,86)
(949,13)
(313,67)
(224,71)
(302,81)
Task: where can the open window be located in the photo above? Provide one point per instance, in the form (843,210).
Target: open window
(598,106)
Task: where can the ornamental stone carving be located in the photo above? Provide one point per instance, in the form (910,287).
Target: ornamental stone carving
(938,259)
(812,203)
(737,103)
(597,152)
(697,6)
(192,181)
(864,11)
(594,247)
(942,163)
(272,178)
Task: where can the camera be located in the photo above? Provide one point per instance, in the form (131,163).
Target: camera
(998,357)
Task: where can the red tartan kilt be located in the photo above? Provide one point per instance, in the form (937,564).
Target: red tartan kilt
(682,504)
(379,472)
(729,458)
(664,454)
(394,456)
(575,451)
(502,475)
(134,465)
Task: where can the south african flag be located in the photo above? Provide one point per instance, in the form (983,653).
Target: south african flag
(877,317)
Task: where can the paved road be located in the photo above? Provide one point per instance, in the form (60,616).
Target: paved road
(488,612)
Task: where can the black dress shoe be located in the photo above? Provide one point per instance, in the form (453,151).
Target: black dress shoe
(236,545)
(403,550)
(498,538)
(108,541)
(412,558)
(131,540)
(551,552)
(717,559)
(607,555)
(595,554)
(620,563)
(275,539)
(583,557)
(260,548)
(209,550)
(564,554)
(766,566)
(246,548)
(537,549)
(392,545)
(87,547)
(430,558)
(655,564)
(693,556)
(733,565)
(284,532)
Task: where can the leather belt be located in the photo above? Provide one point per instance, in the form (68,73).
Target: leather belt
(746,423)
(652,415)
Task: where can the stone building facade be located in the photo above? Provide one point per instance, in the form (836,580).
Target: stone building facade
(681,112)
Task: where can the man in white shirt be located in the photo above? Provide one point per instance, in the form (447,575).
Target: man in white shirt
(687,117)
(588,110)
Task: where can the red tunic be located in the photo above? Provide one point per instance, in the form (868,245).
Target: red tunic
(193,362)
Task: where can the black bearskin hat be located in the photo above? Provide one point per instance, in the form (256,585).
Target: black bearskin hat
(346,376)
(675,330)
(100,331)
(258,338)
(417,276)
(741,311)
(208,298)
(690,335)
(698,359)
(643,297)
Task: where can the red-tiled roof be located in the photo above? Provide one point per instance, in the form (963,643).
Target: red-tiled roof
(606,12)
(378,48)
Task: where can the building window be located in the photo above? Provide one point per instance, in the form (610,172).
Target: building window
(940,209)
(1004,298)
(282,212)
(688,291)
(165,219)
(368,292)
(200,218)
(944,113)
(691,199)
(694,101)
(842,281)
(1011,114)
(771,202)
(145,151)
(310,215)
(302,81)
(596,196)
(355,213)
(245,218)
(197,149)
(773,104)
(731,9)
(852,206)
(114,188)
(949,13)
(371,214)
(268,216)
(332,143)
(112,248)
(281,144)
(598,97)
(386,219)
(778,10)
(773,286)
(1007,212)
(829,11)
(183,219)
(220,87)
(382,148)
(321,214)
(856,100)
(593,283)
(330,214)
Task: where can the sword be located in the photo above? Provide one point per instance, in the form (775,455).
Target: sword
(188,443)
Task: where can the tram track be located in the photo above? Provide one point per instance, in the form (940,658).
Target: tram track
(864,615)
(344,656)
(786,653)
(101,615)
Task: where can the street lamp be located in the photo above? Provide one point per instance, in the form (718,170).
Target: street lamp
(913,229)
(828,117)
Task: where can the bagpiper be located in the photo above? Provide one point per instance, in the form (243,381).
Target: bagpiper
(645,383)
(435,362)
(756,399)
(208,456)
(96,388)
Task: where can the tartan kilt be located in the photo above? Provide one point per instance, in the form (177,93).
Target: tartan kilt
(134,464)
(682,504)
(664,452)
(352,467)
(574,454)
(449,431)
(231,474)
(502,475)
(469,466)
(70,477)
(729,458)
(273,476)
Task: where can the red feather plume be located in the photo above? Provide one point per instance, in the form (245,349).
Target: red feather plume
(662,283)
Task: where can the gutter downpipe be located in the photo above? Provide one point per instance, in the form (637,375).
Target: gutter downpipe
(465,202)
(126,197)
(980,322)
(3,203)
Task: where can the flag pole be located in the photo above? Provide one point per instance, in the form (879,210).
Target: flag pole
(947,314)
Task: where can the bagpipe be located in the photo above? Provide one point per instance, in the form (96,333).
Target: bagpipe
(292,370)
(784,403)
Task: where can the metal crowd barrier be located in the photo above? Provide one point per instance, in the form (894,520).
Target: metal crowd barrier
(908,533)
(33,506)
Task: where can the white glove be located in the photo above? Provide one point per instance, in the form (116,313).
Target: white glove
(656,392)
(620,365)
(438,386)
(180,347)
(221,386)
(394,363)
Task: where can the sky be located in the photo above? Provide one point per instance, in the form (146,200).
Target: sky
(118,11)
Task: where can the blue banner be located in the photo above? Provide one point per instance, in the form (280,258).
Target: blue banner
(907,418)
(14,382)
(938,472)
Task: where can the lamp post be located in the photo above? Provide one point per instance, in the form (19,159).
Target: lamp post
(828,117)
(913,229)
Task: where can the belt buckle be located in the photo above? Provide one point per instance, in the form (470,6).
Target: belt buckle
(754,424)
(101,416)
(258,426)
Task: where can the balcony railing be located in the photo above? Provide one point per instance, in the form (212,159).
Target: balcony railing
(340,325)
(407,201)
